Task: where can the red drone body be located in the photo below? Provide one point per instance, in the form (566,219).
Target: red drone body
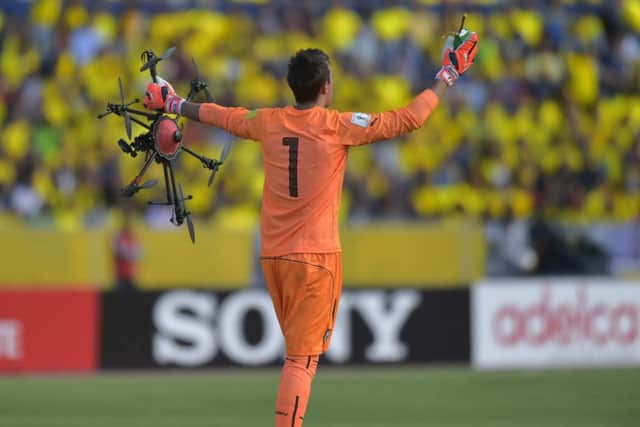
(168,137)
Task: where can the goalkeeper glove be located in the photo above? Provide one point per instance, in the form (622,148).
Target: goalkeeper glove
(162,96)
(457,56)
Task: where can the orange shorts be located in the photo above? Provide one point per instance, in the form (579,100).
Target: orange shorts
(305,290)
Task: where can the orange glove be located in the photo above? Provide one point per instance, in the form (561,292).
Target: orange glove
(161,96)
(458,55)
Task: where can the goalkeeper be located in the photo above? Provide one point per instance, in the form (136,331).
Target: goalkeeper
(305,149)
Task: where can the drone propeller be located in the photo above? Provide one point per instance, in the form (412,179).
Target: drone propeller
(195,67)
(225,151)
(133,187)
(127,117)
(152,60)
(197,84)
(191,228)
(223,157)
(168,52)
(149,184)
(187,214)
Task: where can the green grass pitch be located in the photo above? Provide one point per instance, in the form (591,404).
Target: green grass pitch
(340,398)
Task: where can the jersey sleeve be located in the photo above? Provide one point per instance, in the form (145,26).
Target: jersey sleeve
(362,128)
(236,120)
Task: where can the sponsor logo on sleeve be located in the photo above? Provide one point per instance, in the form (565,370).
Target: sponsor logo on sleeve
(361,119)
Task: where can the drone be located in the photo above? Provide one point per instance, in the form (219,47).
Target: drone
(162,142)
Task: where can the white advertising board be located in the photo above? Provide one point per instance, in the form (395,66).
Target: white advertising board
(555,323)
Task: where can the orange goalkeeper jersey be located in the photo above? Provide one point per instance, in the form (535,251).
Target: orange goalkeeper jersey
(304,158)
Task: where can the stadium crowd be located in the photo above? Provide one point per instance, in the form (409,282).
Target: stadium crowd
(546,123)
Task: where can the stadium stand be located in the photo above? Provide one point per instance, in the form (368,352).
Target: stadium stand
(547,122)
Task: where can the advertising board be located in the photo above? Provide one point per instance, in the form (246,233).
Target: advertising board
(187,328)
(48,331)
(555,322)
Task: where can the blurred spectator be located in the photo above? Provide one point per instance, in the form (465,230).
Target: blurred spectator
(126,251)
(558,255)
(510,244)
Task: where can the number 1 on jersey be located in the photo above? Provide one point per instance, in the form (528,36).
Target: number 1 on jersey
(292,143)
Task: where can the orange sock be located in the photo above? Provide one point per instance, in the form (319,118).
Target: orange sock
(294,390)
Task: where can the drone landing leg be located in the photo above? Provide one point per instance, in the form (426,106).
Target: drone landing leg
(169,201)
(177,211)
(166,181)
(180,212)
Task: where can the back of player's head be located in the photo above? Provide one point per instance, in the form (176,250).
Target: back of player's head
(308,71)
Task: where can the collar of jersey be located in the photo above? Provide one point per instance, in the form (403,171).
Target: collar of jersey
(297,110)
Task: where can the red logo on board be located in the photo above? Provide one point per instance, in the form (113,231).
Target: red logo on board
(565,323)
(48,331)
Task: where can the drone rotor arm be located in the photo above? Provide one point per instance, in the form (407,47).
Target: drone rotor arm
(146,114)
(144,125)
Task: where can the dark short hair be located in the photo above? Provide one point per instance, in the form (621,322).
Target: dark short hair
(308,71)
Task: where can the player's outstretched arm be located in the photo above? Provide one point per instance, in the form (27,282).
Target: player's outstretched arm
(237,120)
(361,128)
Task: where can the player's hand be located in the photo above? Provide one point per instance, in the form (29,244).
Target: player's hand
(161,96)
(457,56)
